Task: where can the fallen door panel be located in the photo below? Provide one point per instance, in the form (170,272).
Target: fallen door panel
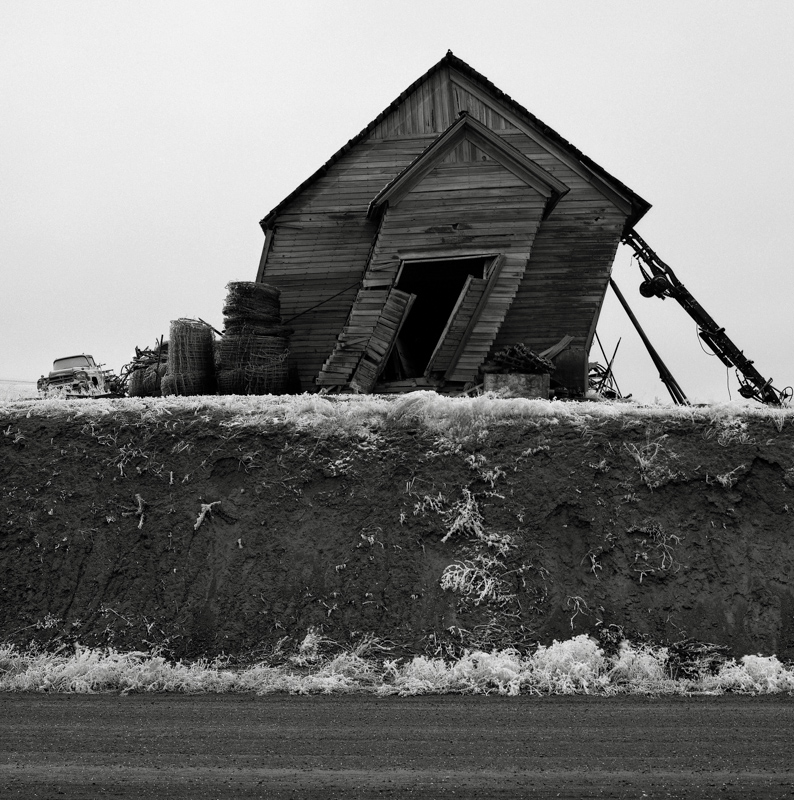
(395,310)
(457,324)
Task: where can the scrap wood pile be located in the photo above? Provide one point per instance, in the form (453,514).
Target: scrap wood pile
(146,370)
(519,358)
(191,360)
(252,356)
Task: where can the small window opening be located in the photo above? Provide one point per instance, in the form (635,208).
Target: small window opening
(437,286)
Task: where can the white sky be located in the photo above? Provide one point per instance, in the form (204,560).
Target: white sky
(142,142)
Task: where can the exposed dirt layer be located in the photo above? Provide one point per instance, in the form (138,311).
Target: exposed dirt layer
(239,747)
(208,526)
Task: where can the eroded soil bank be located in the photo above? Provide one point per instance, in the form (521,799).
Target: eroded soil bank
(208,526)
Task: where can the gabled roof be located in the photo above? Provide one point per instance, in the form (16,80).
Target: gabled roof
(466,127)
(638,206)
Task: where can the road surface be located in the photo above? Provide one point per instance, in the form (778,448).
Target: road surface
(226,746)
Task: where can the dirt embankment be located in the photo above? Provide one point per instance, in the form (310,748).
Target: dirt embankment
(209,527)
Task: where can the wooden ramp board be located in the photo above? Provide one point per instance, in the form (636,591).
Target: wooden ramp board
(395,310)
(456,326)
(482,327)
(354,338)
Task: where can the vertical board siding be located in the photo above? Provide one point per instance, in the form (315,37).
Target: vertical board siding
(426,110)
(464,101)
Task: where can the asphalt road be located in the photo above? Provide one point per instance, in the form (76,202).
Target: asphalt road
(210,746)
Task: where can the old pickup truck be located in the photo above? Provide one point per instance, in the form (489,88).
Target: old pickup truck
(79,376)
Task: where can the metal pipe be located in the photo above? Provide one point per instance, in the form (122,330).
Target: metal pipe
(679,398)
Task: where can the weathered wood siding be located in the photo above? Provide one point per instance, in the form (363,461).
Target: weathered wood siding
(464,209)
(565,282)
(459,209)
(427,110)
(555,275)
(452,337)
(434,106)
(392,316)
(320,246)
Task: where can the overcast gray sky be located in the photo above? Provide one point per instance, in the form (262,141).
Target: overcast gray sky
(142,142)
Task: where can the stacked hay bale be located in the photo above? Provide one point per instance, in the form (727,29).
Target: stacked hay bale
(191,363)
(135,383)
(252,356)
(153,379)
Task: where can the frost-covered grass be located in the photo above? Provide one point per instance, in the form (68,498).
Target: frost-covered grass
(576,666)
(456,417)
(15,391)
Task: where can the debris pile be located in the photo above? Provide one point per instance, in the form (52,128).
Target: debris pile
(191,363)
(252,356)
(146,370)
(691,658)
(519,358)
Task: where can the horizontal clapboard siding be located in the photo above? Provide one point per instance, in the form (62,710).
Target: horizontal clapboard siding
(320,247)
(447,215)
(565,282)
(334,266)
(564,285)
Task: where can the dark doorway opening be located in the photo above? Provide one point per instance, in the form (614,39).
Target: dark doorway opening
(437,286)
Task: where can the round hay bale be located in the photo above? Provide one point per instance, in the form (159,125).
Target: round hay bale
(167,386)
(241,352)
(232,381)
(135,386)
(187,384)
(190,348)
(152,377)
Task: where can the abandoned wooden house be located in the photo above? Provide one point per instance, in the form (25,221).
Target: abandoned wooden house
(456,224)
